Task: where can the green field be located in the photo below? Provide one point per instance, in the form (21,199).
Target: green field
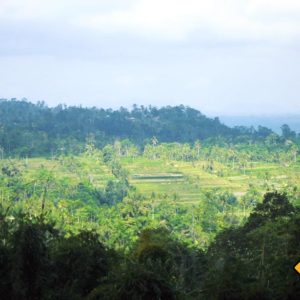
(188,179)
(164,179)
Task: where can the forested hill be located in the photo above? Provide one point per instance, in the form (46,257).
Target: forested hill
(35,129)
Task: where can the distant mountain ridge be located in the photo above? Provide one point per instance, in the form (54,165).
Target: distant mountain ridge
(273,122)
(36,129)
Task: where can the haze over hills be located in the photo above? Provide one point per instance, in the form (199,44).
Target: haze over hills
(273,122)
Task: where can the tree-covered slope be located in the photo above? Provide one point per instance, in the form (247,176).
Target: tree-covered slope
(35,129)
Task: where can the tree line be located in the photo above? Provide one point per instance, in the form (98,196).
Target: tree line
(28,129)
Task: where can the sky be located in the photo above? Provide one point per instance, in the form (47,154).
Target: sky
(223,57)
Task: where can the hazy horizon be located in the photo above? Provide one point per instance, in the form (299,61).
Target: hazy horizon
(273,122)
(129,106)
(236,58)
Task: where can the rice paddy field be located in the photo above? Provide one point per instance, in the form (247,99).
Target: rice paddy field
(189,179)
(167,179)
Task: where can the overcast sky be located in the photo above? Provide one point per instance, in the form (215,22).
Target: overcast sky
(230,57)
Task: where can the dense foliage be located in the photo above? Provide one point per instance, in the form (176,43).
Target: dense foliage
(253,261)
(27,129)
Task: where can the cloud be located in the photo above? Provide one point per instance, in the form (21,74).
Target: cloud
(217,55)
(178,20)
(169,20)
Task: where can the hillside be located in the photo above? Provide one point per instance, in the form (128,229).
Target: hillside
(28,129)
(103,226)
(145,204)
